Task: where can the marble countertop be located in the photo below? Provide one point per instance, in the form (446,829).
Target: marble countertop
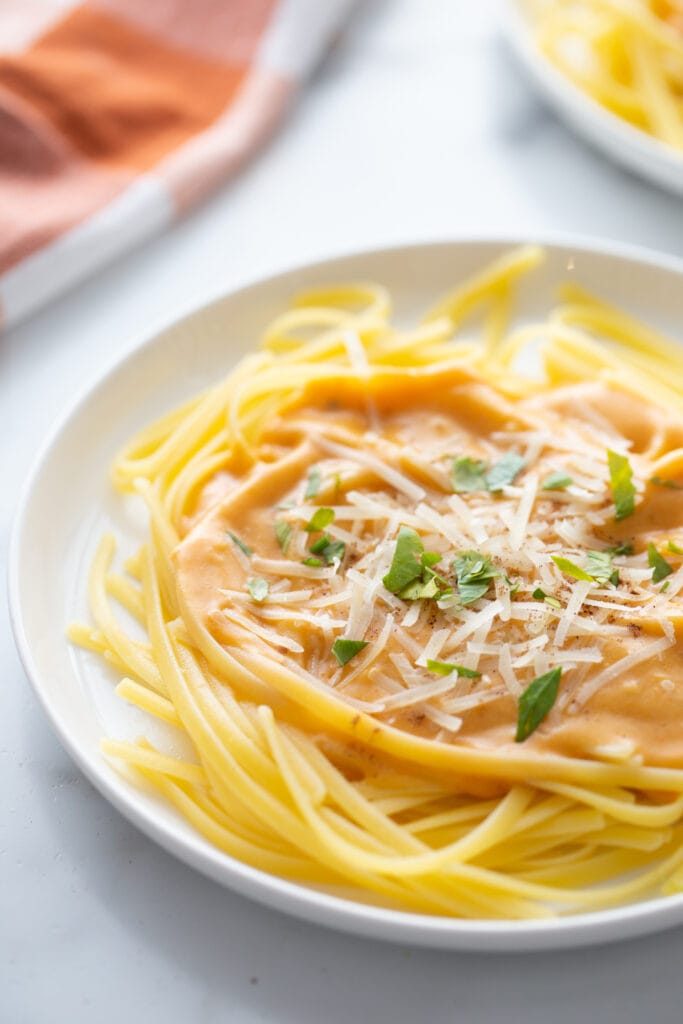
(419,125)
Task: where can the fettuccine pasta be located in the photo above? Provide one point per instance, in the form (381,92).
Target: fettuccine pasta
(416,609)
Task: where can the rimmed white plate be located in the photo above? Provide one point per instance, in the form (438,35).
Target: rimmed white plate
(624,143)
(67,504)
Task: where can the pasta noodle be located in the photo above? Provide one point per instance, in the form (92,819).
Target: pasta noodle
(627,55)
(360,603)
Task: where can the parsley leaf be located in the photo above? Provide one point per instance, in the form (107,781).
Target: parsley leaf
(344,650)
(599,566)
(474,573)
(258,588)
(404,565)
(621,549)
(444,668)
(504,472)
(283,532)
(674,548)
(314,562)
(321,518)
(420,589)
(660,482)
(621,484)
(660,567)
(556,481)
(314,482)
(540,595)
(240,543)
(468,475)
(569,569)
(329,549)
(536,702)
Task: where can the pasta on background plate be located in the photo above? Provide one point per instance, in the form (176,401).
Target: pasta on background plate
(627,55)
(415,597)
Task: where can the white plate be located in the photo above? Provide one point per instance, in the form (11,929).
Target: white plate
(68,503)
(618,139)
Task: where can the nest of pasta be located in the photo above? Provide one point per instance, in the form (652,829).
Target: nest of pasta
(418,611)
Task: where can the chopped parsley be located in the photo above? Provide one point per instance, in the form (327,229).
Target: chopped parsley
(660,482)
(556,481)
(321,518)
(625,548)
(283,532)
(240,543)
(504,472)
(474,573)
(621,484)
(569,569)
(344,650)
(258,588)
(664,587)
(405,565)
(330,550)
(659,565)
(600,567)
(314,482)
(421,589)
(674,548)
(536,702)
(411,575)
(444,668)
(314,562)
(468,475)
(540,595)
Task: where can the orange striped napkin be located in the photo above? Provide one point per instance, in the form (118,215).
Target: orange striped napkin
(116,116)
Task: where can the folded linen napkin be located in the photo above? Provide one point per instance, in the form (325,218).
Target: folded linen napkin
(116,116)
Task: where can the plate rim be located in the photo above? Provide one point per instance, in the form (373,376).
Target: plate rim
(300,901)
(639,152)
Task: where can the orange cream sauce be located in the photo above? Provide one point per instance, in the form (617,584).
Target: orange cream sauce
(640,712)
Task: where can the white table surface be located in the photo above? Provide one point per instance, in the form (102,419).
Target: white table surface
(419,125)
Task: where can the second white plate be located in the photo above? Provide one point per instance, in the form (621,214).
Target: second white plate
(619,140)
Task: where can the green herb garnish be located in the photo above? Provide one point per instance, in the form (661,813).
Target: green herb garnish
(540,595)
(536,702)
(660,567)
(660,482)
(240,543)
(556,481)
(314,482)
(600,567)
(504,472)
(283,532)
(569,569)
(474,573)
(444,668)
(258,588)
(405,566)
(468,475)
(621,484)
(621,549)
(329,549)
(321,518)
(664,587)
(344,650)
(420,589)
(674,548)
(314,562)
